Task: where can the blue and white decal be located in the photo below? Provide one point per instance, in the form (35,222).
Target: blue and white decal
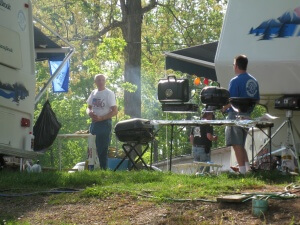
(16,92)
(251,88)
(282,27)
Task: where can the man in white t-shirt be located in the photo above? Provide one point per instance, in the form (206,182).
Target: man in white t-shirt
(101,108)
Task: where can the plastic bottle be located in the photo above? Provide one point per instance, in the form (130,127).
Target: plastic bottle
(29,142)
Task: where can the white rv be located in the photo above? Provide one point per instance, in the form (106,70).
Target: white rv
(21,44)
(268,32)
(17,77)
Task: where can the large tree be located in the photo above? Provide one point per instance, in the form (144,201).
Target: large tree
(130,23)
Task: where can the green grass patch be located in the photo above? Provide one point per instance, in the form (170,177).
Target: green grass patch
(157,185)
(141,185)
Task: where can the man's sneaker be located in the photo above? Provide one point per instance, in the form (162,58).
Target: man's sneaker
(235,169)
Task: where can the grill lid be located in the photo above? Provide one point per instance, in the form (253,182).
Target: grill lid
(134,130)
(214,96)
(172,89)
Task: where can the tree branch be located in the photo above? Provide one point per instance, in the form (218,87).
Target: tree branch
(123,9)
(180,23)
(150,6)
(109,27)
(173,14)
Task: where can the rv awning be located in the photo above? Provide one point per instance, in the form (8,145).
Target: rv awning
(197,60)
(45,48)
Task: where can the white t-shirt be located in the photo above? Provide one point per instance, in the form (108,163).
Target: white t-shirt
(101,101)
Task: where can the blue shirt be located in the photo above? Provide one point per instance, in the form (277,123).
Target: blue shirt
(245,86)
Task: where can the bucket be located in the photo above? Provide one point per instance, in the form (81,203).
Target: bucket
(259,207)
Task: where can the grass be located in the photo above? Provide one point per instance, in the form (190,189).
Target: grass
(161,186)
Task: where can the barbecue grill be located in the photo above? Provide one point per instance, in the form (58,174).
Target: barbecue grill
(214,96)
(180,108)
(242,105)
(172,89)
(134,130)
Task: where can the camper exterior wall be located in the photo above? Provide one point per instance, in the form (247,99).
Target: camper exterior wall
(17,80)
(268,32)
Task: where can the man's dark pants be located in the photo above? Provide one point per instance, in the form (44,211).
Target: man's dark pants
(102,130)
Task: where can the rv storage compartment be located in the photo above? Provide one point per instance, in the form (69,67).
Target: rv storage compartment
(214,96)
(134,130)
(289,102)
(173,90)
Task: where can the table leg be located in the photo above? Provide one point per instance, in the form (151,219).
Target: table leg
(141,155)
(127,155)
(252,146)
(171,147)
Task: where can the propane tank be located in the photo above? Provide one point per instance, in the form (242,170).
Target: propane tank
(287,160)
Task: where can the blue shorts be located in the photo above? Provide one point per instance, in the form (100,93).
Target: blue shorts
(200,155)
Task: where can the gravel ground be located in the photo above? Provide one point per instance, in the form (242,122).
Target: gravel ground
(122,209)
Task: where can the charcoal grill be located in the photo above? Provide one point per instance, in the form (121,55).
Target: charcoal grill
(180,108)
(214,96)
(134,132)
(243,105)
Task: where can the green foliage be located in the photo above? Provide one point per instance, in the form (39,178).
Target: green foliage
(258,111)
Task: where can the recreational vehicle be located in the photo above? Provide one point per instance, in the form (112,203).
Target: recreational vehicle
(21,44)
(268,32)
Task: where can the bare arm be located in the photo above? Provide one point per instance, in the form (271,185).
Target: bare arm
(211,137)
(225,107)
(192,139)
(113,112)
(90,112)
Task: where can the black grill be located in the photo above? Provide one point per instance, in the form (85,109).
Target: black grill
(214,96)
(180,108)
(134,130)
(243,105)
(172,89)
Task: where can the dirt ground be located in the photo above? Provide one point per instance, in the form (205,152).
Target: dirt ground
(122,209)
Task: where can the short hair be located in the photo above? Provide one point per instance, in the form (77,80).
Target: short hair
(99,74)
(241,61)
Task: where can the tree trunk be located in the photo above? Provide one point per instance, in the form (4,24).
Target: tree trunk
(132,34)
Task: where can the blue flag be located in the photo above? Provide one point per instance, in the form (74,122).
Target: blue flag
(61,82)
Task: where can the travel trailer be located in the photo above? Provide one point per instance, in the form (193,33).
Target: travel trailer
(17,81)
(271,41)
(268,32)
(21,44)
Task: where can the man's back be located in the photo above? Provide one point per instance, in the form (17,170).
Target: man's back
(245,86)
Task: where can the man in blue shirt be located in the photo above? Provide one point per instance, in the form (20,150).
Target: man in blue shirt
(243,85)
